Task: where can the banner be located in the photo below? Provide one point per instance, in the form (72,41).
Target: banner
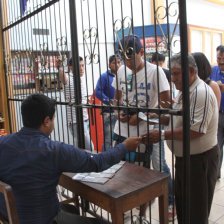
(150,46)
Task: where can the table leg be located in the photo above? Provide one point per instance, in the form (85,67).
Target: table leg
(117,218)
(163,206)
(117,215)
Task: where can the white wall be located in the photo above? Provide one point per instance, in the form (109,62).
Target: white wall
(209,15)
(204,13)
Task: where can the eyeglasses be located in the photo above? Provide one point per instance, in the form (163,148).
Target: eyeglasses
(129,53)
(220,58)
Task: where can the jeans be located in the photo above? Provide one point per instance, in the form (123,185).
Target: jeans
(158,157)
(109,121)
(158,154)
(220,140)
(68,214)
(88,143)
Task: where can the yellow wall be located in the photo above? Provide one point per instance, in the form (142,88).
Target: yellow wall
(3,96)
(157,4)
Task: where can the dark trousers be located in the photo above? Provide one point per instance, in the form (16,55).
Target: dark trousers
(221,139)
(68,214)
(203,176)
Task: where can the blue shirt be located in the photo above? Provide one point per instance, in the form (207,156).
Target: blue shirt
(217,75)
(32,164)
(105,84)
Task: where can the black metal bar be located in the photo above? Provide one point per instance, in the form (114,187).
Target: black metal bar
(108,82)
(58,129)
(41,11)
(16,36)
(60,97)
(186,110)
(82,22)
(76,70)
(30,15)
(171,95)
(57,117)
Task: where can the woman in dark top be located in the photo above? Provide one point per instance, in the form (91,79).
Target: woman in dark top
(204,72)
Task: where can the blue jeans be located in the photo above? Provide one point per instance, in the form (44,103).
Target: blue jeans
(108,129)
(88,143)
(158,157)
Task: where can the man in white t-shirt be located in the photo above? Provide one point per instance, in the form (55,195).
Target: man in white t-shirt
(68,81)
(204,150)
(136,85)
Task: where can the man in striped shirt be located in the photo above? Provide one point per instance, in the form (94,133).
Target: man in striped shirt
(68,81)
(204,150)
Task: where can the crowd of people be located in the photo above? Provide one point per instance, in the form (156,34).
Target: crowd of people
(135,83)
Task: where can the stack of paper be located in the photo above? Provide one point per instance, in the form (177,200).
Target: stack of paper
(101,177)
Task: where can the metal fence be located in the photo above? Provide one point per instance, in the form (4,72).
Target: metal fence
(45,33)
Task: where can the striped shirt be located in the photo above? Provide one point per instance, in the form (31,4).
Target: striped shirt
(203,118)
(70,97)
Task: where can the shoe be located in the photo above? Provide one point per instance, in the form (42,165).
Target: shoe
(172,216)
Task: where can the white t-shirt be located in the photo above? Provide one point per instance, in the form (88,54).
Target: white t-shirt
(141,95)
(203,118)
(70,97)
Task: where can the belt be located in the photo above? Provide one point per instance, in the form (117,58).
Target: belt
(221,111)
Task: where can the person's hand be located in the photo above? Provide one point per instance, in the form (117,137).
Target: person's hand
(221,85)
(58,63)
(132,143)
(144,138)
(152,115)
(152,137)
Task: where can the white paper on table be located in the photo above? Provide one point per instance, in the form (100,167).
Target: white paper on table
(101,177)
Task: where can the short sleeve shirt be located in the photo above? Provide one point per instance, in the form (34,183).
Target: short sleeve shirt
(145,82)
(203,118)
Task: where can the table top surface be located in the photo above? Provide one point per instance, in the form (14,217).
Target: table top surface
(129,179)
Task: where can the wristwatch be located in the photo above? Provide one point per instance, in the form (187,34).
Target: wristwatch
(162,135)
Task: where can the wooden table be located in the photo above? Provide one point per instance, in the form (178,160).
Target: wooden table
(131,186)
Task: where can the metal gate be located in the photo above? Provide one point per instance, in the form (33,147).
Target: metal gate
(40,37)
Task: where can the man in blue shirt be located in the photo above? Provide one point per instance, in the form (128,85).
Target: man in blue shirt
(32,164)
(218,76)
(105,92)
